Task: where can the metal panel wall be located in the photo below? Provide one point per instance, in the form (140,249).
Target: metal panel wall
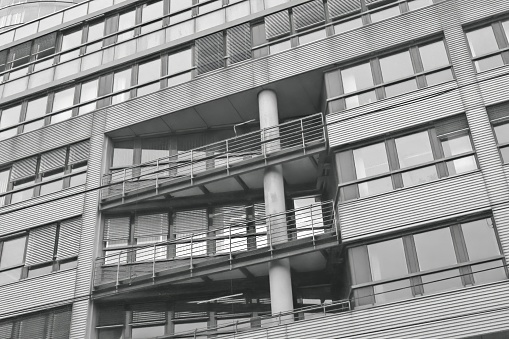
(35,292)
(402,208)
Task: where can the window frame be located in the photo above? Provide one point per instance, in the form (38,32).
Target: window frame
(501,39)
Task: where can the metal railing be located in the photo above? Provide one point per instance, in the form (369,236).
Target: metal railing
(297,134)
(264,323)
(264,235)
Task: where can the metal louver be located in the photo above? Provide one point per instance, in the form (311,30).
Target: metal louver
(53,160)
(61,324)
(308,14)
(151,224)
(187,222)
(113,315)
(6,330)
(229,216)
(24,168)
(277,24)
(149,313)
(69,238)
(32,327)
(79,152)
(499,111)
(259,211)
(239,43)
(452,124)
(341,7)
(116,229)
(41,245)
(209,52)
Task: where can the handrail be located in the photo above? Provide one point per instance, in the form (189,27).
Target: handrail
(296,134)
(125,263)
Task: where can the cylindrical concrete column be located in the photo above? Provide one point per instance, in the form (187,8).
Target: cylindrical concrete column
(274,193)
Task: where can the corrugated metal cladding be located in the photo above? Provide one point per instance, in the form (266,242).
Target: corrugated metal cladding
(389,212)
(457,314)
(35,292)
(45,139)
(360,124)
(54,210)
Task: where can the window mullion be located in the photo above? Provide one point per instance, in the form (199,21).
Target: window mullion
(498,30)
(438,153)
(392,156)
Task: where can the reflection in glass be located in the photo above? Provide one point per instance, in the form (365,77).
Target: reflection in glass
(433,55)
(462,165)
(441,281)
(370,160)
(12,252)
(435,249)
(489,63)
(456,145)
(357,78)
(387,259)
(489,272)
(400,88)
(376,186)
(439,77)
(414,149)
(396,66)
(480,239)
(360,99)
(502,133)
(419,176)
(393,291)
(482,41)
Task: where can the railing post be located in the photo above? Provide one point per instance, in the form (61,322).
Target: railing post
(324,312)
(270,234)
(323,127)
(335,220)
(230,242)
(154,263)
(312,224)
(227,159)
(236,326)
(302,134)
(157,176)
(191,260)
(279,321)
(192,167)
(118,268)
(123,182)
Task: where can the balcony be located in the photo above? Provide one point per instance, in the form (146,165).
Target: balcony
(243,243)
(287,142)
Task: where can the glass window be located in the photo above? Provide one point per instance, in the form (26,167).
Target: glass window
(70,40)
(13,252)
(482,41)
(147,332)
(9,276)
(416,4)
(123,153)
(126,20)
(419,176)
(35,272)
(385,14)
(63,99)
(111,333)
(376,186)
(387,259)
(400,88)
(36,108)
(121,80)
(502,133)
(435,249)
(396,66)
(22,195)
(357,78)
(4,181)
(456,145)
(152,11)
(51,187)
(149,71)
(152,149)
(462,165)
(433,55)
(489,272)
(10,116)
(439,77)
(180,61)
(79,179)
(504,152)
(397,290)
(414,149)
(441,281)
(310,37)
(88,92)
(347,25)
(360,99)
(370,160)
(95,32)
(505,25)
(177,5)
(489,63)
(480,239)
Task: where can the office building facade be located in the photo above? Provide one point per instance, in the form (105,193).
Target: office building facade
(256,169)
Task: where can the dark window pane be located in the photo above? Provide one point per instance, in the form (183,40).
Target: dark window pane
(400,88)
(376,186)
(370,160)
(387,259)
(397,290)
(147,332)
(12,252)
(502,133)
(149,71)
(442,281)
(456,145)
(489,272)
(419,176)
(482,41)
(35,272)
(480,239)
(111,333)
(357,78)
(414,149)
(385,14)
(505,154)
(364,296)
(439,77)
(396,66)
(462,165)
(10,276)
(489,63)
(360,99)
(435,249)
(433,55)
